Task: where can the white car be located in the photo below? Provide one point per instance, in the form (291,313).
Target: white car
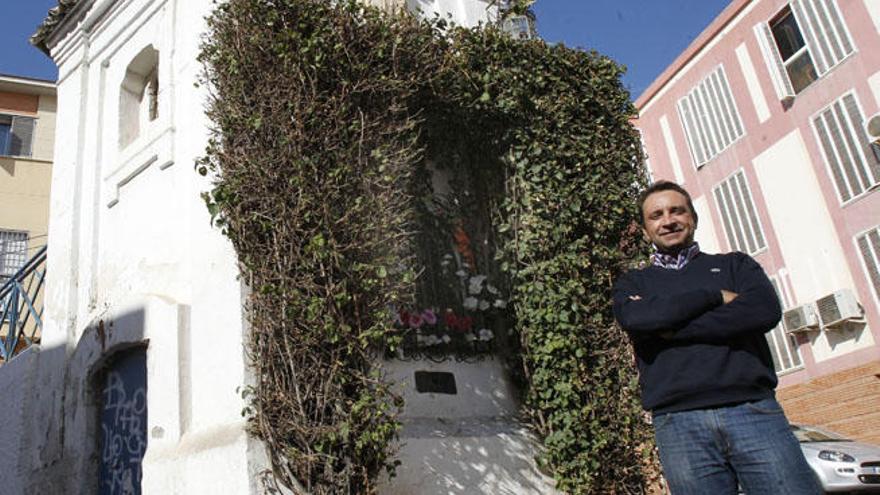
(840,464)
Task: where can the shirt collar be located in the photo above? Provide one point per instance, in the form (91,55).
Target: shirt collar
(675,261)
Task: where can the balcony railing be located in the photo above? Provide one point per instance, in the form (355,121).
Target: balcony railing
(21,307)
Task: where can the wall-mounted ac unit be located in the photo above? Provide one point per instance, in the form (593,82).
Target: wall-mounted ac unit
(839,307)
(800,319)
(872,127)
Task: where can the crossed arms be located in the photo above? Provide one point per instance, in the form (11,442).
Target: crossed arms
(700,315)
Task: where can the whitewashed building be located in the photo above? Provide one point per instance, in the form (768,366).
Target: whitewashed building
(142,352)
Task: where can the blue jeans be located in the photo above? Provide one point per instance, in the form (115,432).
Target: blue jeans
(709,451)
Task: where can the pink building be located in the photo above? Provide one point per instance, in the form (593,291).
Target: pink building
(764,120)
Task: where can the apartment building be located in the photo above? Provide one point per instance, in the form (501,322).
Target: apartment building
(27,137)
(766,118)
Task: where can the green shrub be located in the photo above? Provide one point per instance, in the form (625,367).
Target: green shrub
(324,114)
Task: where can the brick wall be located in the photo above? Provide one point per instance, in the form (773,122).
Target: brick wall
(847,402)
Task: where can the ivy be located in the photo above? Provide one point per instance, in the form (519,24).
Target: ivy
(325,114)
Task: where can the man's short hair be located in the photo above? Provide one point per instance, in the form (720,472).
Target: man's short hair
(664,185)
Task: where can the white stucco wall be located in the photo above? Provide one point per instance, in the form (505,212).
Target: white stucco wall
(134,259)
(805,231)
(706,234)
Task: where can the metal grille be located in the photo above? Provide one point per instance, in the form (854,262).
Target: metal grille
(739,215)
(13,252)
(840,129)
(710,118)
(829,311)
(869,246)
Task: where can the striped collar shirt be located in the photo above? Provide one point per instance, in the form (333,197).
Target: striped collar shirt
(675,261)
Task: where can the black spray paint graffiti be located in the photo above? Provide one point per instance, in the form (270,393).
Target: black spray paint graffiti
(124,425)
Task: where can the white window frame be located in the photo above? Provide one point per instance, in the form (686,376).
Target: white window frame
(808,29)
(789,342)
(761,246)
(859,149)
(875,291)
(29,148)
(715,95)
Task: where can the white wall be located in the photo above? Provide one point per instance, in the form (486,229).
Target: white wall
(133,251)
(705,234)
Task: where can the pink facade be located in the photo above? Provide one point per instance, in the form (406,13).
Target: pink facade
(809,213)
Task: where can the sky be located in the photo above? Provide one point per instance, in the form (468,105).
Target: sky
(644,35)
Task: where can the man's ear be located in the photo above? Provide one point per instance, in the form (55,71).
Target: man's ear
(645,235)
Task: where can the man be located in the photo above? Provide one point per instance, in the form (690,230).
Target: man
(697,323)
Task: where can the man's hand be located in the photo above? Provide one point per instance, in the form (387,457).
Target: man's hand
(728,296)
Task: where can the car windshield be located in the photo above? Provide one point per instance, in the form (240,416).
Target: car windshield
(806,434)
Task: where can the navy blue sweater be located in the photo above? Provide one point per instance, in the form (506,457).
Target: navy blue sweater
(693,351)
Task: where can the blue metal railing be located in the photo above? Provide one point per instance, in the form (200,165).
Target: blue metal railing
(21,307)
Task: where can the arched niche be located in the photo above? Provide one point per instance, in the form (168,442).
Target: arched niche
(139,95)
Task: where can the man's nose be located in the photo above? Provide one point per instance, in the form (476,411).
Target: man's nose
(668,220)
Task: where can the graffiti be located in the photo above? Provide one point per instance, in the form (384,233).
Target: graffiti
(124,425)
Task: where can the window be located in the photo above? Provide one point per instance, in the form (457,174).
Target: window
(869,247)
(784,348)
(804,41)
(793,51)
(739,215)
(711,121)
(13,252)
(16,135)
(852,163)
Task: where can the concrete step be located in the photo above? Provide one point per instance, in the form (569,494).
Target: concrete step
(480,455)
(460,433)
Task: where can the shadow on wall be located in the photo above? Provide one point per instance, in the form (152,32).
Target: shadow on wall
(51,402)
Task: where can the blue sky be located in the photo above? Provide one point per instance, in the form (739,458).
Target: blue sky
(19,20)
(644,35)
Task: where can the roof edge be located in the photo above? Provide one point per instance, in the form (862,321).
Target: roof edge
(694,49)
(54,21)
(27,85)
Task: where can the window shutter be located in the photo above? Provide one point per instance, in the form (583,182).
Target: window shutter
(781,83)
(22,136)
(858,126)
(687,116)
(817,43)
(869,245)
(739,215)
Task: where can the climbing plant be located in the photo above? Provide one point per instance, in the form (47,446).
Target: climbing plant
(326,118)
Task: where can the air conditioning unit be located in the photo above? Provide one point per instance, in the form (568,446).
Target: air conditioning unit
(839,307)
(518,26)
(872,127)
(800,319)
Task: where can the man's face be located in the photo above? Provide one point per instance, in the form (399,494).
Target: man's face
(669,223)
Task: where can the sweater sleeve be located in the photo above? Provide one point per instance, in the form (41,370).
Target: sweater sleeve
(755,310)
(644,315)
